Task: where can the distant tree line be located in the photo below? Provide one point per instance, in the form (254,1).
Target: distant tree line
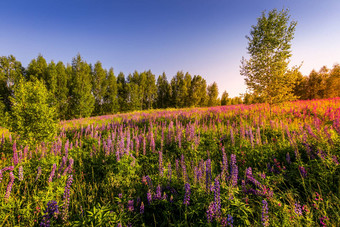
(80,89)
(321,84)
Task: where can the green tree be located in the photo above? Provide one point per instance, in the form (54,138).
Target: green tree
(313,85)
(62,90)
(212,94)
(198,91)
(266,72)
(179,90)
(32,117)
(111,96)
(163,92)
(333,84)
(99,87)
(133,97)
(123,91)
(150,91)
(81,98)
(224,98)
(37,69)
(11,72)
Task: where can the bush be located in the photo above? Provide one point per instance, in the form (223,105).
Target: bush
(31,117)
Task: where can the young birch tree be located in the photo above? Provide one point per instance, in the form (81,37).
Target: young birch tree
(266,71)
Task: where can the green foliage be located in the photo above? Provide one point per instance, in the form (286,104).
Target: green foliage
(99,84)
(31,117)
(11,72)
(266,72)
(37,69)
(111,95)
(212,95)
(81,99)
(163,92)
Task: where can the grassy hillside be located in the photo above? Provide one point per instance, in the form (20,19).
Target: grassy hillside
(224,166)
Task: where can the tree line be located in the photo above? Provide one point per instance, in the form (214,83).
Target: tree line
(80,89)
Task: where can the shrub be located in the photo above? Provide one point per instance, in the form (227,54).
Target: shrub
(31,117)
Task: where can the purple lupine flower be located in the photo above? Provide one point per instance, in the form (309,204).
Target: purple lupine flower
(15,154)
(303,171)
(265,217)
(141,210)
(208,174)
(230,220)
(144,146)
(149,182)
(160,163)
(66,198)
(66,148)
(1,175)
(227,221)
(187,194)
(131,205)
(158,193)
(224,165)
(51,211)
(234,170)
(335,160)
(9,168)
(217,196)
(38,173)
(149,196)
(21,173)
(68,169)
(211,212)
(9,186)
(184,168)
(232,136)
(63,163)
(297,208)
(52,173)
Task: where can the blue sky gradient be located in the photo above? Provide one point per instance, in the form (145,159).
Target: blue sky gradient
(203,37)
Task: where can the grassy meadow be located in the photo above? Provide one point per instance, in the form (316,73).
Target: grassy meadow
(220,166)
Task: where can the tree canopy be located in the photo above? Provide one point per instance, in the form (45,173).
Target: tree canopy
(266,71)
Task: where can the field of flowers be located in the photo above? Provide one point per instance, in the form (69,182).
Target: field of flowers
(221,166)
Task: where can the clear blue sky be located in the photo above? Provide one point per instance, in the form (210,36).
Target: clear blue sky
(205,37)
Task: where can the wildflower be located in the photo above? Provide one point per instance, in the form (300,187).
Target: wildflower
(149,196)
(141,210)
(298,209)
(15,154)
(21,173)
(265,218)
(51,211)
(66,198)
(322,219)
(160,163)
(38,173)
(208,174)
(187,194)
(234,170)
(303,171)
(52,173)
(130,205)
(217,195)
(9,186)
(158,192)
(63,163)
